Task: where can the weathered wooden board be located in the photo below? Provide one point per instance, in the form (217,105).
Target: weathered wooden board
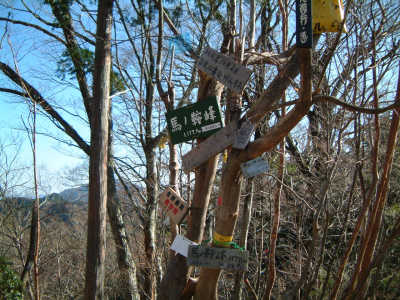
(254,167)
(174,205)
(210,147)
(218,258)
(224,68)
(243,135)
(198,120)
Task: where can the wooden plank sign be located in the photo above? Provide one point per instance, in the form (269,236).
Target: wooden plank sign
(243,135)
(210,147)
(224,68)
(198,120)
(174,205)
(218,258)
(303,24)
(254,167)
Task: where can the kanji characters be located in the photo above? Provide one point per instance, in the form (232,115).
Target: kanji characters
(175,125)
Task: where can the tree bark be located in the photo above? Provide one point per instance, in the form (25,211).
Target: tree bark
(96,241)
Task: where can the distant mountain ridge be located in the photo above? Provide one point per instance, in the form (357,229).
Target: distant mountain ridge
(77,194)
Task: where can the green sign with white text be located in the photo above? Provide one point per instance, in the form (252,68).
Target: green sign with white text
(198,120)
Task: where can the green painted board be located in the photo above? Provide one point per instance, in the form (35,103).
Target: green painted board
(198,120)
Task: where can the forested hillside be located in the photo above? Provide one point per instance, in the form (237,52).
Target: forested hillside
(259,138)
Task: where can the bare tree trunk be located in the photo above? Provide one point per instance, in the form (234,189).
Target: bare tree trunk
(247,209)
(96,240)
(33,252)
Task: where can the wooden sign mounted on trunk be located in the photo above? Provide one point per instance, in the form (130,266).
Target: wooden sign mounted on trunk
(198,120)
(243,135)
(303,24)
(224,68)
(218,258)
(254,167)
(174,205)
(210,147)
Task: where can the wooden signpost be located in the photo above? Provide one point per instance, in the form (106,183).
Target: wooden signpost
(198,120)
(254,167)
(224,68)
(218,258)
(174,205)
(210,147)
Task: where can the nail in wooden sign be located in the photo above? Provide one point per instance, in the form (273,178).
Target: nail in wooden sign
(224,68)
(242,136)
(174,205)
(254,167)
(210,147)
(218,258)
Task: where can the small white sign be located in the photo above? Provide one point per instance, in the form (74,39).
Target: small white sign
(181,245)
(254,167)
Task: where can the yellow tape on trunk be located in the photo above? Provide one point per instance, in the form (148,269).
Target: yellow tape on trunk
(327,15)
(219,238)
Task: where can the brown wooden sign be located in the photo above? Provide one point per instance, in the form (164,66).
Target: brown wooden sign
(218,258)
(224,68)
(210,147)
(174,205)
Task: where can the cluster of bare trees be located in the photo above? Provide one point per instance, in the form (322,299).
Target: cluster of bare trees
(323,223)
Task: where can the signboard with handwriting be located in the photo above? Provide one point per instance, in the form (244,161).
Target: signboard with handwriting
(218,258)
(174,205)
(210,147)
(224,68)
(303,24)
(254,167)
(198,120)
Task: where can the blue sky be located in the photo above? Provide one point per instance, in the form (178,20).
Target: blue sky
(36,61)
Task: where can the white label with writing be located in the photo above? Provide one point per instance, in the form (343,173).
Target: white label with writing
(181,245)
(254,167)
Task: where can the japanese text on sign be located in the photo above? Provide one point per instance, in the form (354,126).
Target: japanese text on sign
(303,24)
(224,69)
(201,119)
(218,258)
(174,205)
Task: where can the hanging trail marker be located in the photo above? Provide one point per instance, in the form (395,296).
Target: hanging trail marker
(210,147)
(218,258)
(254,167)
(303,24)
(243,135)
(181,245)
(174,205)
(198,120)
(224,68)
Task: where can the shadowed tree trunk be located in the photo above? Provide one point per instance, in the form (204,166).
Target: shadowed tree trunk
(100,109)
